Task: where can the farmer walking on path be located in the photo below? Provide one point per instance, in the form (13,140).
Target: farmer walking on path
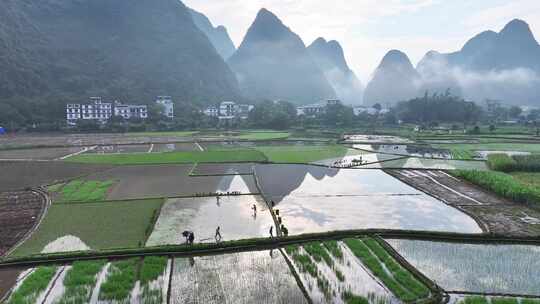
(218,235)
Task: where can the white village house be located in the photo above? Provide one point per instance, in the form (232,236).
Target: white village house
(168,105)
(101,111)
(229,110)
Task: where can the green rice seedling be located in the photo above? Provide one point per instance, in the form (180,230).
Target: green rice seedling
(334,249)
(361,251)
(502,184)
(324,287)
(33,286)
(339,275)
(85,191)
(120,281)
(462,154)
(305,264)
(80,280)
(404,277)
(474,300)
(501,162)
(350,298)
(527,163)
(530,301)
(318,253)
(497,300)
(292,249)
(152,268)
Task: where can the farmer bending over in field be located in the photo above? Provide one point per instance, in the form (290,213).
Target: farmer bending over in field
(218,234)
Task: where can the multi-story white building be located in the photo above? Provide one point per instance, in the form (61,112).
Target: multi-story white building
(168,105)
(227,109)
(211,111)
(316,108)
(101,111)
(95,110)
(130,111)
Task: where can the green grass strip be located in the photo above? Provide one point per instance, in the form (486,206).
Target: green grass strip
(402,275)
(504,300)
(80,281)
(318,253)
(350,298)
(334,249)
(33,286)
(120,281)
(151,270)
(184,157)
(474,300)
(361,250)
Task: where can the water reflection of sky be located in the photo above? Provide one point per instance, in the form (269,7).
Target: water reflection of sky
(203,215)
(511,269)
(319,214)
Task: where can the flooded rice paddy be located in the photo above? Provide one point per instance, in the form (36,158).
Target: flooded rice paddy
(314,199)
(429,164)
(327,279)
(364,138)
(233,214)
(480,268)
(249,277)
(407,150)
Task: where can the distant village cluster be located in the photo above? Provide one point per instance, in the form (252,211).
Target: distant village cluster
(98,110)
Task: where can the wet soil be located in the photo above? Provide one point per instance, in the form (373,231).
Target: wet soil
(19,212)
(38,154)
(8,280)
(223,169)
(34,174)
(136,182)
(498,215)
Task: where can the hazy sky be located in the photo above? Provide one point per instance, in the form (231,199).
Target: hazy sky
(367,29)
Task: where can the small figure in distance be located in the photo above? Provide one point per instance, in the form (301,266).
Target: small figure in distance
(271,232)
(273,204)
(186,235)
(254,208)
(191,238)
(284,231)
(218,234)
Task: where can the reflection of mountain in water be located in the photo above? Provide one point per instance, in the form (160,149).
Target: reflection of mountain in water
(279,181)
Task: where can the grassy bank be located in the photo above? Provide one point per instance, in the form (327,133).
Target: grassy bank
(502,184)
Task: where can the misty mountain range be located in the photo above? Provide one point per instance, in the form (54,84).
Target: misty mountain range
(60,51)
(502,66)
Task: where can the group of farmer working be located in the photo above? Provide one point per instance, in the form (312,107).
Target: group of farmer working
(190,235)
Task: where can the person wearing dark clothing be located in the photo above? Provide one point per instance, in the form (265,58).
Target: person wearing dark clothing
(191,238)
(271,231)
(218,234)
